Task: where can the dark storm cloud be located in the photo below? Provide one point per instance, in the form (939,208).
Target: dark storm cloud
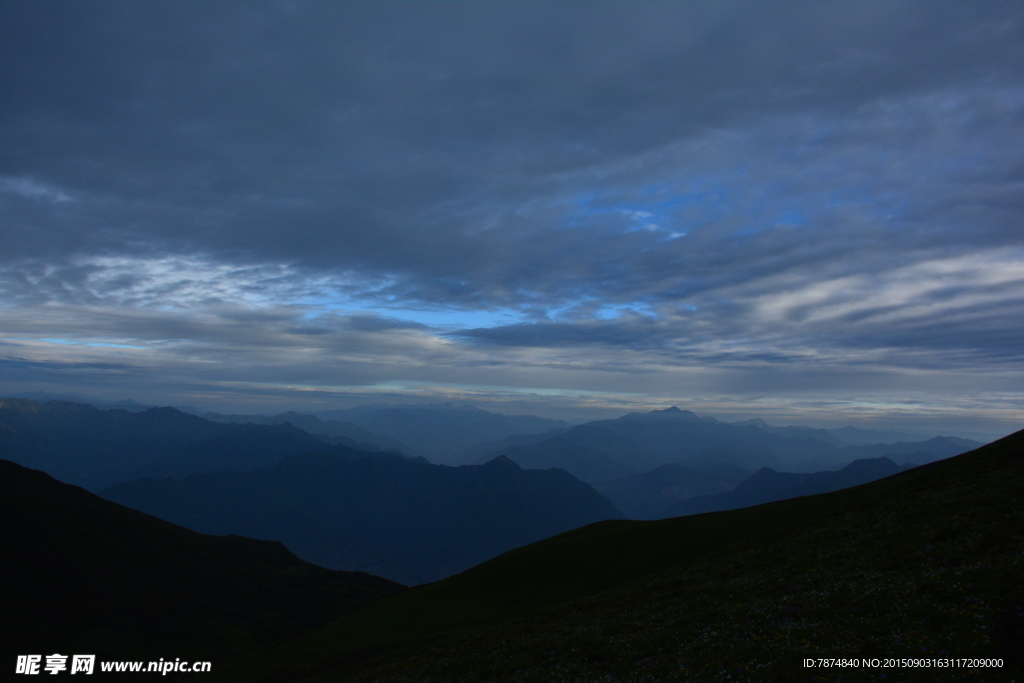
(475,192)
(370,134)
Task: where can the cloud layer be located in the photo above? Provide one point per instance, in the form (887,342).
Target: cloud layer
(603,204)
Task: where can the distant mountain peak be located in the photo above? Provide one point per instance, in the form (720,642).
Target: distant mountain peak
(502,461)
(673,414)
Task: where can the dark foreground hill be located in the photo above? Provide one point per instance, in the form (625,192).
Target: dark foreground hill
(83,575)
(403,519)
(766,486)
(925,564)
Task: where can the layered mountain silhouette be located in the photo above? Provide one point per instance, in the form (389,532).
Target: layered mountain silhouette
(246,448)
(844,436)
(639,442)
(654,494)
(440,431)
(342,433)
(766,486)
(590,452)
(94,448)
(917,452)
(487,450)
(406,520)
(82,574)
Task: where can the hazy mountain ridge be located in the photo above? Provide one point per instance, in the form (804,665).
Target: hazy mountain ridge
(127,404)
(684,438)
(918,452)
(441,431)
(652,495)
(410,521)
(795,431)
(86,446)
(640,442)
(767,486)
(352,434)
(95,448)
(588,451)
(253,446)
(842,436)
(480,453)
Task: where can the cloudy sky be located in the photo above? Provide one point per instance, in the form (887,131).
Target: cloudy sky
(805,211)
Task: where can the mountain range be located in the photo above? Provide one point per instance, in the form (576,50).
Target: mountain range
(406,520)
(639,442)
(925,558)
(82,445)
(440,431)
(766,486)
(250,447)
(654,494)
(94,448)
(345,433)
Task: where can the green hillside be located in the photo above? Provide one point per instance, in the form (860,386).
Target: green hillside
(923,564)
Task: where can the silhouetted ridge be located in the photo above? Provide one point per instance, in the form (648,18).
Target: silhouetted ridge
(87,575)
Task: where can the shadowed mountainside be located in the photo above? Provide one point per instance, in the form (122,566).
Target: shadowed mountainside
(82,574)
(410,521)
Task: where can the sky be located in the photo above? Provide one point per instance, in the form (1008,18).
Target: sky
(810,212)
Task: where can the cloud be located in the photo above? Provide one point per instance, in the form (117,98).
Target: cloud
(28,189)
(616,198)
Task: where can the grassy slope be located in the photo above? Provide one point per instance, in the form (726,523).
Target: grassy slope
(925,563)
